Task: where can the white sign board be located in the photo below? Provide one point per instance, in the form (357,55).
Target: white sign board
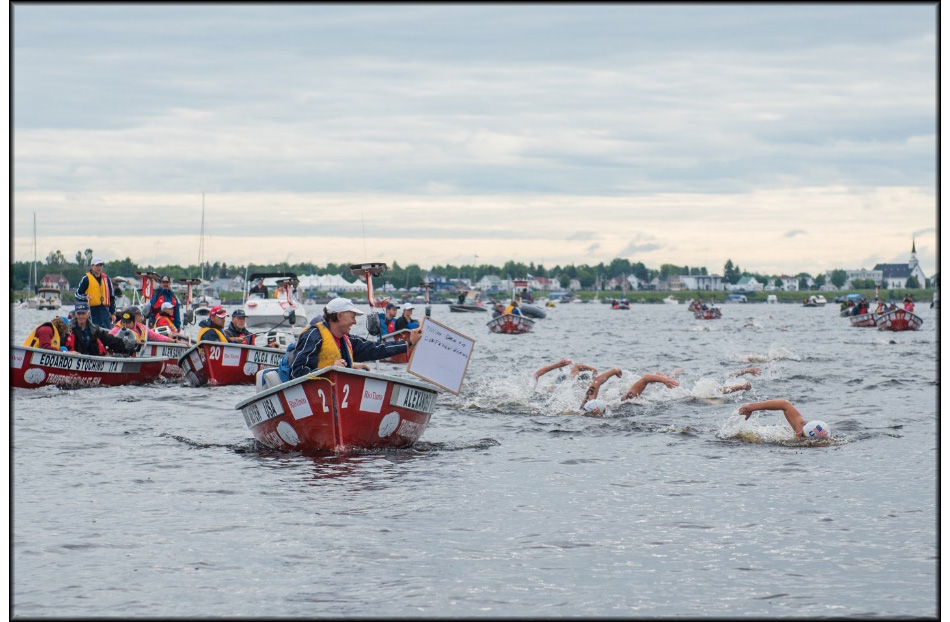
(441,356)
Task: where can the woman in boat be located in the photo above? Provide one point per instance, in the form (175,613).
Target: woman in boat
(89,338)
(142,332)
(881,307)
(327,341)
(803,429)
(513,308)
(49,335)
(405,320)
(909,303)
(212,328)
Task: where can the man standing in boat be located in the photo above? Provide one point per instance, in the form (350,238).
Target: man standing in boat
(96,289)
(260,289)
(163,295)
(327,342)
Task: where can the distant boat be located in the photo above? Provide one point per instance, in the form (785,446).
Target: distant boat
(814,301)
(45,298)
(898,319)
(712,313)
(510,324)
(863,320)
(671,300)
(771,299)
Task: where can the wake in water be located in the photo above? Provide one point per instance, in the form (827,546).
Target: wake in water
(775,353)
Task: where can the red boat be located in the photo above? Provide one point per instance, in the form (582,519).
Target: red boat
(510,324)
(708,314)
(339,409)
(899,319)
(33,367)
(863,320)
(399,335)
(217,363)
(170,351)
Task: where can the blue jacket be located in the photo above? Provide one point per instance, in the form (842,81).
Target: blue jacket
(306,353)
(167,296)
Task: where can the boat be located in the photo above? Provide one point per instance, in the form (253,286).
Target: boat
(898,319)
(623,304)
(771,299)
(814,301)
(712,313)
(217,363)
(45,298)
(280,309)
(532,311)
(399,335)
(337,409)
(171,351)
(671,300)
(35,367)
(863,320)
(550,303)
(471,304)
(510,324)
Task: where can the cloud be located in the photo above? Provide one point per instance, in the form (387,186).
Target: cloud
(582,236)
(794,232)
(592,248)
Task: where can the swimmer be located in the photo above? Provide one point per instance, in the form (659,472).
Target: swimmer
(637,387)
(591,405)
(576,370)
(803,429)
(755,371)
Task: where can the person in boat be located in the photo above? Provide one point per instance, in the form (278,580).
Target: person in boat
(212,328)
(461,298)
(49,335)
(803,429)
(166,317)
(237,332)
(909,303)
(881,307)
(405,320)
(513,308)
(387,319)
(498,311)
(142,332)
(327,341)
(160,297)
(86,337)
(259,289)
(96,289)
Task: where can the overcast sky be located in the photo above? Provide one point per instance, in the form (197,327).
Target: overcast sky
(786,137)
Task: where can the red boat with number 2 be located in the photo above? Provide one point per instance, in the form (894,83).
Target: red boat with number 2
(510,324)
(34,367)
(219,363)
(338,409)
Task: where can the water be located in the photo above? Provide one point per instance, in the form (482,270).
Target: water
(155,501)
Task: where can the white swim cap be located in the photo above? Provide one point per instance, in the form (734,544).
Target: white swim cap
(596,407)
(816,429)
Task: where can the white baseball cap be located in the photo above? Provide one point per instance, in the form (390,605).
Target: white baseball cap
(167,305)
(407,306)
(338,305)
(96,261)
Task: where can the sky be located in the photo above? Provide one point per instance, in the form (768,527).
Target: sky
(786,137)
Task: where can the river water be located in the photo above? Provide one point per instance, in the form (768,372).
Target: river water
(155,500)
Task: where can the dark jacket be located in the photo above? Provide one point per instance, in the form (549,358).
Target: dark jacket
(233,331)
(402,323)
(87,341)
(306,353)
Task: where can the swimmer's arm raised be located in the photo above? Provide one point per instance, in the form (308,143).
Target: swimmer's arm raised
(792,415)
(637,387)
(544,370)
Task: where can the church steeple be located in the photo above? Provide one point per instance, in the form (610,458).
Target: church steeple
(912,263)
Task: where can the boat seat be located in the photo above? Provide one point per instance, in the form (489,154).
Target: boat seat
(266,379)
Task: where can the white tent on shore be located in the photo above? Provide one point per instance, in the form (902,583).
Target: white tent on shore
(330,283)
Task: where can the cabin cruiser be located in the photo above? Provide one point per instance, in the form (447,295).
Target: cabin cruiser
(45,298)
(274,303)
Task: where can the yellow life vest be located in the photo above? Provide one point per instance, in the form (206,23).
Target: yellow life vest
(32,342)
(98,293)
(329,352)
(205,329)
(509,308)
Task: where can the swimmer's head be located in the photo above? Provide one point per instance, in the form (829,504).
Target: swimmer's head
(816,429)
(595,407)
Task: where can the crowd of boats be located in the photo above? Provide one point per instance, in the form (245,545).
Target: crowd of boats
(334,408)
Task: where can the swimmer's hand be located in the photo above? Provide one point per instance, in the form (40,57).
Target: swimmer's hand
(746,410)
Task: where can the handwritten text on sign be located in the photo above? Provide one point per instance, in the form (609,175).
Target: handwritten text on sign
(441,356)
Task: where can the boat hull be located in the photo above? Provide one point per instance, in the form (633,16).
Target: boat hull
(864,320)
(532,311)
(399,335)
(466,308)
(509,324)
(898,320)
(170,351)
(33,367)
(338,410)
(215,363)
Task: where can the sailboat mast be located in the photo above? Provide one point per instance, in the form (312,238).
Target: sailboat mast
(201,243)
(33,277)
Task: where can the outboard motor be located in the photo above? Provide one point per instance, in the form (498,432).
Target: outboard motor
(372,323)
(291,316)
(189,317)
(428,311)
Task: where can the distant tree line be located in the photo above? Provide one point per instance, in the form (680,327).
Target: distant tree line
(411,275)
